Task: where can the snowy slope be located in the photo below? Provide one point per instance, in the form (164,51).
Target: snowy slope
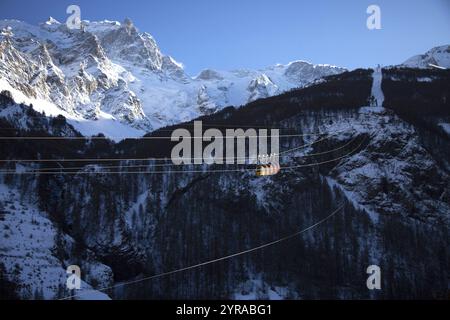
(438,56)
(377,92)
(110,77)
(28,252)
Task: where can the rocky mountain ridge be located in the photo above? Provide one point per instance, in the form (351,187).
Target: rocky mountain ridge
(110,78)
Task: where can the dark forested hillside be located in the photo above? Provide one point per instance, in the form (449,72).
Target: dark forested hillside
(367,172)
(422,98)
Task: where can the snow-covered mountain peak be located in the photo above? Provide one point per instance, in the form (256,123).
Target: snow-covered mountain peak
(261,87)
(52,21)
(297,70)
(110,72)
(296,62)
(6,32)
(209,74)
(435,57)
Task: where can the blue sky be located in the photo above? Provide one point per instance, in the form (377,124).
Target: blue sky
(229,34)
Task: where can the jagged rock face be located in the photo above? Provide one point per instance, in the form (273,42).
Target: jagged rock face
(204,101)
(16,68)
(81,72)
(124,42)
(125,104)
(261,87)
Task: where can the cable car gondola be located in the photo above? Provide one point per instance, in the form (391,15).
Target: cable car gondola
(267,170)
